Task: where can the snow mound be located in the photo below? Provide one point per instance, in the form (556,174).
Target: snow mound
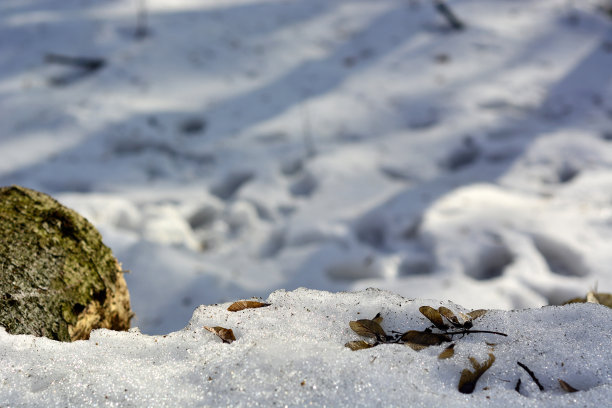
(292,353)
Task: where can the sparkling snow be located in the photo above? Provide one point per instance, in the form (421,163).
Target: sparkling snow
(251,147)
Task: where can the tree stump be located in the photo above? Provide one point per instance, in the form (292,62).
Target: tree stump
(57,278)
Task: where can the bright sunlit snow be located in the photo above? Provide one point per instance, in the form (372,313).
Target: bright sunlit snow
(292,353)
(239,147)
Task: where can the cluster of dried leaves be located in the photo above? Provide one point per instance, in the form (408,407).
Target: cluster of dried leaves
(416,339)
(447,325)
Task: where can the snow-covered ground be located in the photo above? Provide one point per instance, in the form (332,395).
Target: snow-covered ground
(245,146)
(292,353)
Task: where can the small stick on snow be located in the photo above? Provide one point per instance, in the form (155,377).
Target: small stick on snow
(452,19)
(517,387)
(531,374)
(452,333)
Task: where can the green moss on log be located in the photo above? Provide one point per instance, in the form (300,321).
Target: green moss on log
(57,278)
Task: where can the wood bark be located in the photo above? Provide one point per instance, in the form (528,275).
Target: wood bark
(57,278)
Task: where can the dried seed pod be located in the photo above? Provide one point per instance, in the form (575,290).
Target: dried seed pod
(378,318)
(464,317)
(468,379)
(358,345)
(566,387)
(368,328)
(450,316)
(246,304)
(227,335)
(415,346)
(434,316)
(423,338)
(475,314)
(448,352)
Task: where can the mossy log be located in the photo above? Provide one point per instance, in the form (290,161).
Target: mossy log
(57,278)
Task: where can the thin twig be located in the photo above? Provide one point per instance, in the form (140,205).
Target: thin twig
(531,374)
(474,331)
(452,19)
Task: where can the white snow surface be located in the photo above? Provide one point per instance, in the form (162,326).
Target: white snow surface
(246,146)
(292,353)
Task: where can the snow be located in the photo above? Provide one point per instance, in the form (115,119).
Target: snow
(292,353)
(242,147)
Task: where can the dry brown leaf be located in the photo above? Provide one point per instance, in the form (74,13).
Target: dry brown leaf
(423,338)
(566,387)
(448,352)
(358,345)
(467,321)
(468,379)
(227,335)
(434,316)
(368,328)
(246,304)
(475,314)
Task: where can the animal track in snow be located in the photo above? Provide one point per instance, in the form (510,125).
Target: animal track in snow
(231,183)
(292,167)
(463,155)
(560,258)
(304,186)
(203,217)
(396,173)
(414,266)
(274,244)
(567,172)
(491,262)
(193,126)
(371,230)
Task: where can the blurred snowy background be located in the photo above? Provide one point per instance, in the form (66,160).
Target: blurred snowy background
(229,148)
